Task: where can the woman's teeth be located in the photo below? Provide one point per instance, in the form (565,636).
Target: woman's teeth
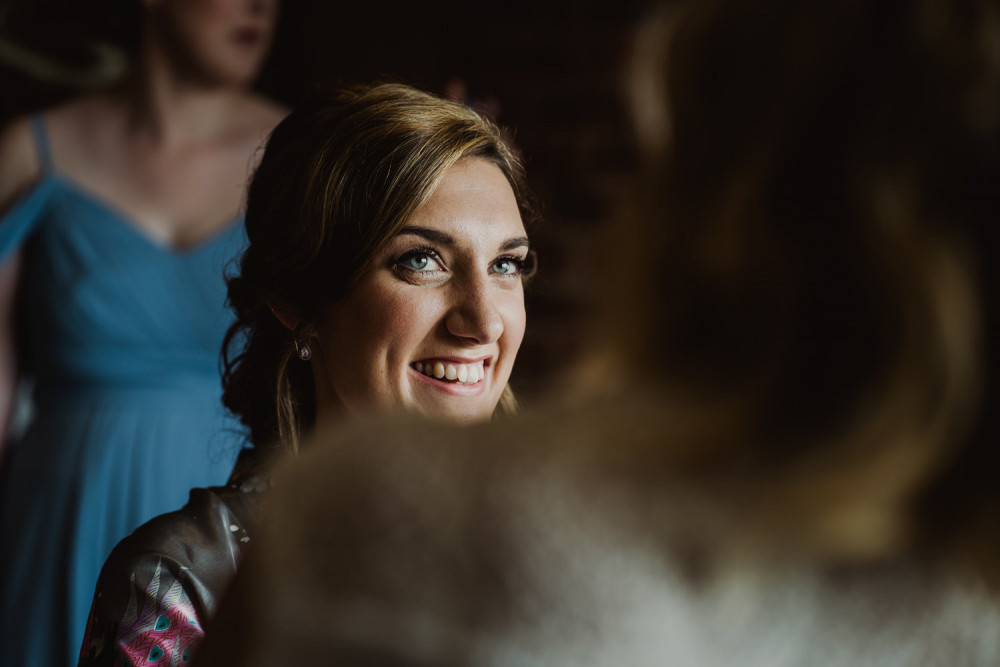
(460,373)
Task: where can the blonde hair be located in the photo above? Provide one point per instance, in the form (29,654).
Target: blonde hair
(337,181)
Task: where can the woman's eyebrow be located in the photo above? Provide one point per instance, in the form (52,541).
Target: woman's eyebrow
(516,242)
(446,239)
(432,235)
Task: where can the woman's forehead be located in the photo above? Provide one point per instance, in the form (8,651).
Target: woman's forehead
(473,203)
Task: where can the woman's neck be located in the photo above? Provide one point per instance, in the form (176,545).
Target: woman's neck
(168,107)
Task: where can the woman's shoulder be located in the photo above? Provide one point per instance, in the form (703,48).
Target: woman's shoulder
(170,573)
(217,519)
(200,544)
(25,140)
(82,114)
(20,165)
(214,520)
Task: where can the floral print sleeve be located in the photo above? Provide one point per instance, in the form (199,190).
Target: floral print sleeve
(162,583)
(160,625)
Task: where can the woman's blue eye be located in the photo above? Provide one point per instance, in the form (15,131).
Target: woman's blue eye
(418,262)
(505,267)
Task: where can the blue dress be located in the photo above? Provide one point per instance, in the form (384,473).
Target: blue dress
(122,338)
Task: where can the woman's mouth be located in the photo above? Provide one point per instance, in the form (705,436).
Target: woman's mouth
(450,371)
(248,37)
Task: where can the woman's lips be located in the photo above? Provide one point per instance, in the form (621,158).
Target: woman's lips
(462,372)
(248,36)
(458,378)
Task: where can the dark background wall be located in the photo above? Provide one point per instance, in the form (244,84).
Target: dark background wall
(547,71)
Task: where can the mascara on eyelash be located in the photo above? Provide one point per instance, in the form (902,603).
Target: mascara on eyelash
(430,252)
(519,262)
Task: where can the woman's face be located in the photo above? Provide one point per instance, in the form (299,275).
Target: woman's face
(436,319)
(221,41)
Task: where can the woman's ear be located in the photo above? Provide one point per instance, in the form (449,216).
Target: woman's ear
(288,316)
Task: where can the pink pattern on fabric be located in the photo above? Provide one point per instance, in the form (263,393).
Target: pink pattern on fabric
(160,631)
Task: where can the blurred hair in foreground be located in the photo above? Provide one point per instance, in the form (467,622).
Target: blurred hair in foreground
(789,453)
(811,263)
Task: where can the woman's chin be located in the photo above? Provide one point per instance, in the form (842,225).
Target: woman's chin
(459,410)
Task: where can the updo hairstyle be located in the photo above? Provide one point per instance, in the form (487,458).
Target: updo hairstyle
(338,179)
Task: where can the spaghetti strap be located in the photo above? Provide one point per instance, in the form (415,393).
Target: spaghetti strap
(19,220)
(42,145)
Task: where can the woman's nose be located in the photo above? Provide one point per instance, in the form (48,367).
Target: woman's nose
(474,316)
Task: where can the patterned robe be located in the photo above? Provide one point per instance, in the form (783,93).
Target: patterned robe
(163,582)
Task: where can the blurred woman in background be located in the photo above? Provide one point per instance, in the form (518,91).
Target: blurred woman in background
(384,273)
(121,211)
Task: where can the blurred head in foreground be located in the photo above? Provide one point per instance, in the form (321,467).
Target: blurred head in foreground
(385,265)
(812,268)
(803,315)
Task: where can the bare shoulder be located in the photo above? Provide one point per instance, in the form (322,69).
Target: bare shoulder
(79,111)
(82,120)
(19,163)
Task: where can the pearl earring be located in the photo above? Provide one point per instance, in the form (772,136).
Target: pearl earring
(305,354)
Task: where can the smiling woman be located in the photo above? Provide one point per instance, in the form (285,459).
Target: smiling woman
(387,229)
(384,272)
(433,324)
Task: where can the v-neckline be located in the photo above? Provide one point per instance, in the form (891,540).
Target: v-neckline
(127,222)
